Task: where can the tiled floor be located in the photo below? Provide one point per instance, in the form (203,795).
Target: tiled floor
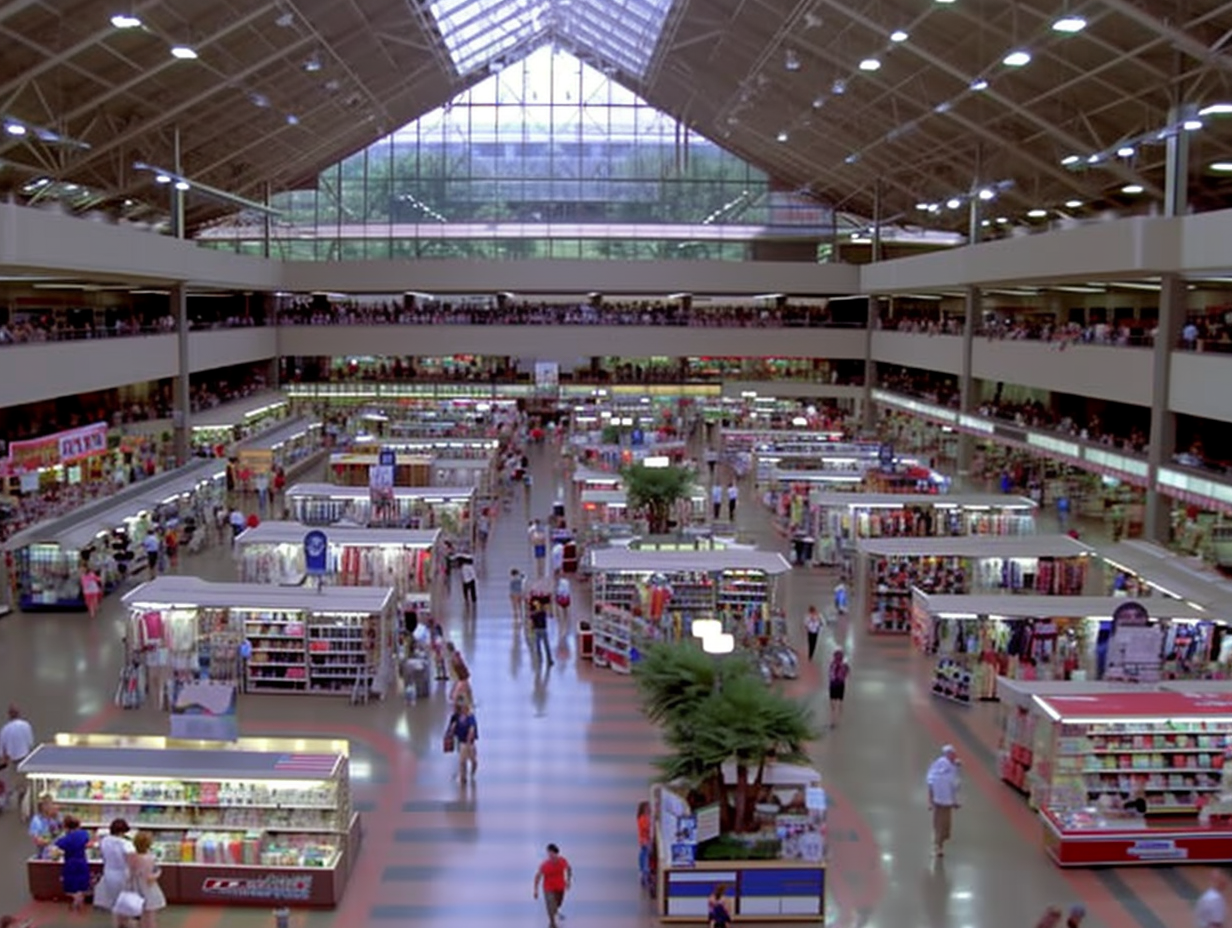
(565,756)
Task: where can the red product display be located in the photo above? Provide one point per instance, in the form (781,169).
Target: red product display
(1141,846)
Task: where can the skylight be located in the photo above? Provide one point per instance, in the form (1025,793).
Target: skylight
(621,33)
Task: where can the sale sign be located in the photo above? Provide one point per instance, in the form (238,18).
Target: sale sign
(60,448)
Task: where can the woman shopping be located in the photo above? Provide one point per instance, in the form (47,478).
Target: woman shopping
(146,873)
(118,856)
(75,868)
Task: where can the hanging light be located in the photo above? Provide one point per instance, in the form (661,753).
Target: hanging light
(1017,58)
(1069,24)
(706,628)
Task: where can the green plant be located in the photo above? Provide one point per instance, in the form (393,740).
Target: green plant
(652,491)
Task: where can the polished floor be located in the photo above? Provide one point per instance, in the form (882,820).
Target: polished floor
(565,757)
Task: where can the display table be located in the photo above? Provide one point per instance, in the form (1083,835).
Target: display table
(413,507)
(1097,754)
(256,822)
(285,446)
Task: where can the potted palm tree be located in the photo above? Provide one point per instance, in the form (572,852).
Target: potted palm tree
(653,491)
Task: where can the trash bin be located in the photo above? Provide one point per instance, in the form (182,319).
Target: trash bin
(586,642)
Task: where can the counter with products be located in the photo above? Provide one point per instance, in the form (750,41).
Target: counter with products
(1134,777)
(230,422)
(255,822)
(788,880)
(850,517)
(353,470)
(326,642)
(659,594)
(889,569)
(48,559)
(405,559)
(282,447)
(447,508)
(1144,570)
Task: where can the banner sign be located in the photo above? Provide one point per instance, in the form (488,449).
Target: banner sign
(316,547)
(60,448)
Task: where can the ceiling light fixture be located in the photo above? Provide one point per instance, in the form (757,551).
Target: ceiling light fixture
(852,158)
(1073,204)
(1037,213)
(985,223)
(838,88)
(1070,159)
(292,119)
(1017,58)
(791,61)
(987,194)
(182,185)
(1125,151)
(818,102)
(1095,158)
(1222,167)
(162,179)
(1216,109)
(1069,24)
(925,207)
(943,107)
(1132,189)
(1191,125)
(979,84)
(125,21)
(870,64)
(183,52)
(946,2)
(1001,220)
(898,35)
(313,64)
(782,136)
(953,203)
(15,128)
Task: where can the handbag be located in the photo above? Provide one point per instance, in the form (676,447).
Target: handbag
(128,904)
(450,741)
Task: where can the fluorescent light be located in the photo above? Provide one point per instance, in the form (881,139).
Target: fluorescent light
(1216,109)
(1070,159)
(162,179)
(1001,220)
(979,84)
(125,21)
(987,194)
(870,64)
(1072,204)
(1191,125)
(1132,189)
(1095,158)
(838,88)
(1069,24)
(183,52)
(791,61)
(292,119)
(15,128)
(782,136)
(1017,58)
(818,102)
(1037,213)
(181,185)
(898,36)
(985,223)
(945,1)
(953,203)
(1125,151)
(1223,167)
(925,207)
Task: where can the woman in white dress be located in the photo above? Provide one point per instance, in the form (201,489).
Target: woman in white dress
(145,879)
(118,855)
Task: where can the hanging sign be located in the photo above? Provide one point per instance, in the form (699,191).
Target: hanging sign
(316,547)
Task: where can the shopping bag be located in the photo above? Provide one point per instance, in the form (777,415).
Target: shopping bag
(128,904)
(450,741)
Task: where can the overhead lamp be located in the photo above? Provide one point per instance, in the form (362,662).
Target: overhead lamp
(1017,58)
(292,119)
(125,21)
(1191,125)
(979,84)
(852,158)
(953,203)
(1222,167)
(722,643)
(898,35)
(183,52)
(1069,24)
(934,207)
(1216,109)
(1001,220)
(1037,213)
(1095,158)
(15,128)
(259,99)
(1132,189)
(870,64)
(313,64)
(985,223)
(839,87)
(1072,204)
(782,136)
(162,178)
(987,194)
(946,2)
(182,185)
(924,207)
(818,102)
(1125,151)
(791,61)
(1070,159)
(706,628)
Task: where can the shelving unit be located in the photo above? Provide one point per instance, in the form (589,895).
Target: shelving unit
(252,823)
(414,507)
(303,641)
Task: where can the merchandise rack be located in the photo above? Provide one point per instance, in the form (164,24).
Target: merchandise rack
(1092,752)
(254,822)
(414,507)
(888,570)
(319,642)
(850,517)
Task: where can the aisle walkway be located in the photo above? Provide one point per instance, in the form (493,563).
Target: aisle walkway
(565,756)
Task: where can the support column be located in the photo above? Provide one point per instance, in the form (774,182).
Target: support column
(1158,523)
(1176,169)
(177,189)
(267,219)
(966,382)
(875,248)
(869,419)
(181,415)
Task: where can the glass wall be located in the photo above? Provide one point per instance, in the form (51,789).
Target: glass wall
(548,158)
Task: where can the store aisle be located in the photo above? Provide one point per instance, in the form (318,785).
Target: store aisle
(565,756)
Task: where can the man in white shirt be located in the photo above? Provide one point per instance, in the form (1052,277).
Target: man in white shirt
(943,783)
(469,582)
(1211,909)
(16,741)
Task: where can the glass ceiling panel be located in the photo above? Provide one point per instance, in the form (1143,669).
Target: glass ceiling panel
(623,33)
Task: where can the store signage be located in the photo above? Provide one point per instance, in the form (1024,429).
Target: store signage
(885,456)
(1156,849)
(272,886)
(60,448)
(316,549)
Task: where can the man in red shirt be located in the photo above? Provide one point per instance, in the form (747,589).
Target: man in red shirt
(555,876)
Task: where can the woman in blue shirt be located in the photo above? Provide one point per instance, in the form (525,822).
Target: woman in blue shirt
(75,873)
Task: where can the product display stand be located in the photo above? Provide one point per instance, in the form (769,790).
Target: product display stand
(285,446)
(888,569)
(256,822)
(321,642)
(1096,755)
(851,517)
(413,507)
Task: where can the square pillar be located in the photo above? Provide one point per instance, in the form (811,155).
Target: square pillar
(1172,309)
(966,382)
(182,414)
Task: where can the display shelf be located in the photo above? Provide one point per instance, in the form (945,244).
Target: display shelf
(275,809)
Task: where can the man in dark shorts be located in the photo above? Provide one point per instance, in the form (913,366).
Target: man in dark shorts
(555,876)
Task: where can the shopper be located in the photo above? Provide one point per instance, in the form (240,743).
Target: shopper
(1075,917)
(517,594)
(16,741)
(719,914)
(469,582)
(1211,909)
(145,876)
(943,785)
(812,628)
(564,598)
(644,843)
(716,501)
(539,627)
(461,689)
(118,854)
(554,876)
(1050,919)
(152,547)
(238,523)
(839,669)
(75,869)
(539,546)
(558,558)
(45,826)
(91,590)
(465,735)
(732,496)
